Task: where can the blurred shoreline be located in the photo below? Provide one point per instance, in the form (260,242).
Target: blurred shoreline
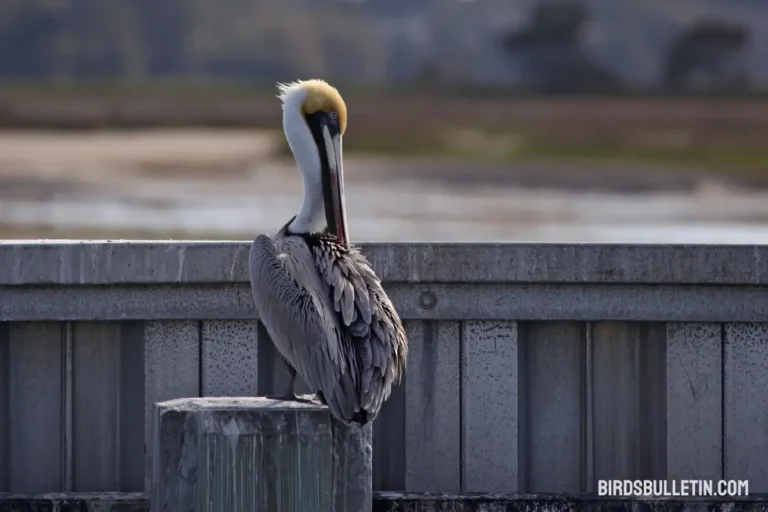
(176,163)
(717,135)
(227,184)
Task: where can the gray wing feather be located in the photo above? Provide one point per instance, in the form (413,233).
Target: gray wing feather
(378,341)
(347,341)
(298,320)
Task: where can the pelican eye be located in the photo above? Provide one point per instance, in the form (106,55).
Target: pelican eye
(334,116)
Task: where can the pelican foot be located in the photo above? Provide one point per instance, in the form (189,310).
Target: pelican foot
(282,397)
(292,397)
(309,399)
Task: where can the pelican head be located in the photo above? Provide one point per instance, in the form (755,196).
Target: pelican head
(314,120)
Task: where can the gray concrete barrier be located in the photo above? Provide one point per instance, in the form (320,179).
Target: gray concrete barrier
(533,367)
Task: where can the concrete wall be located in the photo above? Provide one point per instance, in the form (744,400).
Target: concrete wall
(533,368)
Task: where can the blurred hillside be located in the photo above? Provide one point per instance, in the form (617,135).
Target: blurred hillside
(560,45)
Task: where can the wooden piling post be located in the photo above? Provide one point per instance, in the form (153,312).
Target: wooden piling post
(257,455)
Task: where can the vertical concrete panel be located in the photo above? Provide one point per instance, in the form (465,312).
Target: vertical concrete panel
(96,397)
(68,407)
(694,401)
(131,406)
(230,362)
(5,420)
(433,407)
(552,403)
(389,442)
(489,402)
(272,373)
(746,417)
(171,370)
(628,406)
(35,399)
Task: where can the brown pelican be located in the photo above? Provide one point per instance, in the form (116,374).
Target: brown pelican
(318,297)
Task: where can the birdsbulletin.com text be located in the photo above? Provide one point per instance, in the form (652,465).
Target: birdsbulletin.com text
(682,488)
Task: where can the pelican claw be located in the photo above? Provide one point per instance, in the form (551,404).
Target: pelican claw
(292,397)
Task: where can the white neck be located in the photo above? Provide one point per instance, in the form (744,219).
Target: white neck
(311,216)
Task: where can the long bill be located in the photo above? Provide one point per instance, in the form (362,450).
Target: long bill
(333,188)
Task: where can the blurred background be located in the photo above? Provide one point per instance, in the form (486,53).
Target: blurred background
(475,120)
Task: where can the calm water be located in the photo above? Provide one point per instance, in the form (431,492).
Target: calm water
(403,210)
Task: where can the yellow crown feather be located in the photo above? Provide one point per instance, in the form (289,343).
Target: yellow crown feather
(320,97)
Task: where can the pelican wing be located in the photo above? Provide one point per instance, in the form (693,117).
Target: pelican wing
(328,315)
(378,346)
(293,306)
